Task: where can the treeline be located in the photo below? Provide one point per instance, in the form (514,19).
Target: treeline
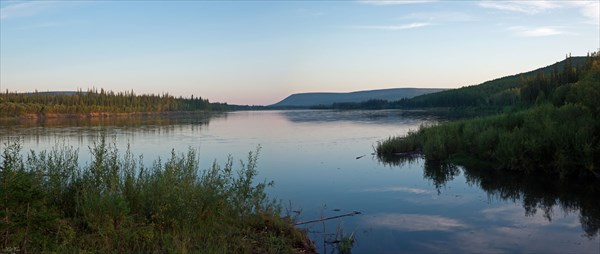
(373,104)
(94,101)
(559,134)
(519,90)
(507,91)
(115,204)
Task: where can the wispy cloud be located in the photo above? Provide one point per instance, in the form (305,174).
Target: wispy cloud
(43,25)
(440,16)
(590,10)
(413,222)
(394,2)
(308,12)
(394,27)
(529,7)
(25,9)
(535,31)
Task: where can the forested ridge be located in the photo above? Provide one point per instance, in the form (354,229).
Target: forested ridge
(505,91)
(557,131)
(94,101)
(519,90)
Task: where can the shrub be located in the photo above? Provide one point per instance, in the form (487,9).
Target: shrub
(116,204)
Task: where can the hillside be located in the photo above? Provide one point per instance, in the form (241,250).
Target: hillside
(498,92)
(314,99)
(555,132)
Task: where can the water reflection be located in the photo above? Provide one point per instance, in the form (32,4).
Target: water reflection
(414,222)
(364,116)
(87,130)
(129,121)
(538,192)
(440,173)
(535,192)
(396,161)
(319,158)
(405,189)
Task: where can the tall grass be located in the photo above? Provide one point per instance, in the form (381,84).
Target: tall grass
(116,204)
(410,143)
(557,140)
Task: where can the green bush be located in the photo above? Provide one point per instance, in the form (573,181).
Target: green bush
(561,137)
(115,204)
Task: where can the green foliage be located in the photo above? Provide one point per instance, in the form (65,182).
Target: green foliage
(400,145)
(369,104)
(343,243)
(523,89)
(507,91)
(440,173)
(94,101)
(558,136)
(116,204)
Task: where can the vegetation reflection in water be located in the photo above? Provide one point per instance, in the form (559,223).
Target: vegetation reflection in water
(535,191)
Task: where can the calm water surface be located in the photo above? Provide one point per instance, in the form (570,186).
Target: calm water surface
(322,164)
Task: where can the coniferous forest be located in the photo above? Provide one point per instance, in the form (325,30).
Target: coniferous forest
(94,101)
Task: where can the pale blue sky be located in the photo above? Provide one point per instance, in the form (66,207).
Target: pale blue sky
(258,52)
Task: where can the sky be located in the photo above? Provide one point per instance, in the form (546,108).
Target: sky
(259,52)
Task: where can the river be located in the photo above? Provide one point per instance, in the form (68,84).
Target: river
(322,164)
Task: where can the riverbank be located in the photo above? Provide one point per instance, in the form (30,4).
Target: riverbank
(103,115)
(48,203)
(557,131)
(94,103)
(556,140)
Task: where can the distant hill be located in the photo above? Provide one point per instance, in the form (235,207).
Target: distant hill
(315,99)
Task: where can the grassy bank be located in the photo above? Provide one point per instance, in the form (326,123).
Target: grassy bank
(562,140)
(559,134)
(48,203)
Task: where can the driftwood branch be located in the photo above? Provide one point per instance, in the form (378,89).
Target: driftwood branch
(328,218)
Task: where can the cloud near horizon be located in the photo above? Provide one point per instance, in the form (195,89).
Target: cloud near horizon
(440,16)
(394,27)
(536,31)
(394,2)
